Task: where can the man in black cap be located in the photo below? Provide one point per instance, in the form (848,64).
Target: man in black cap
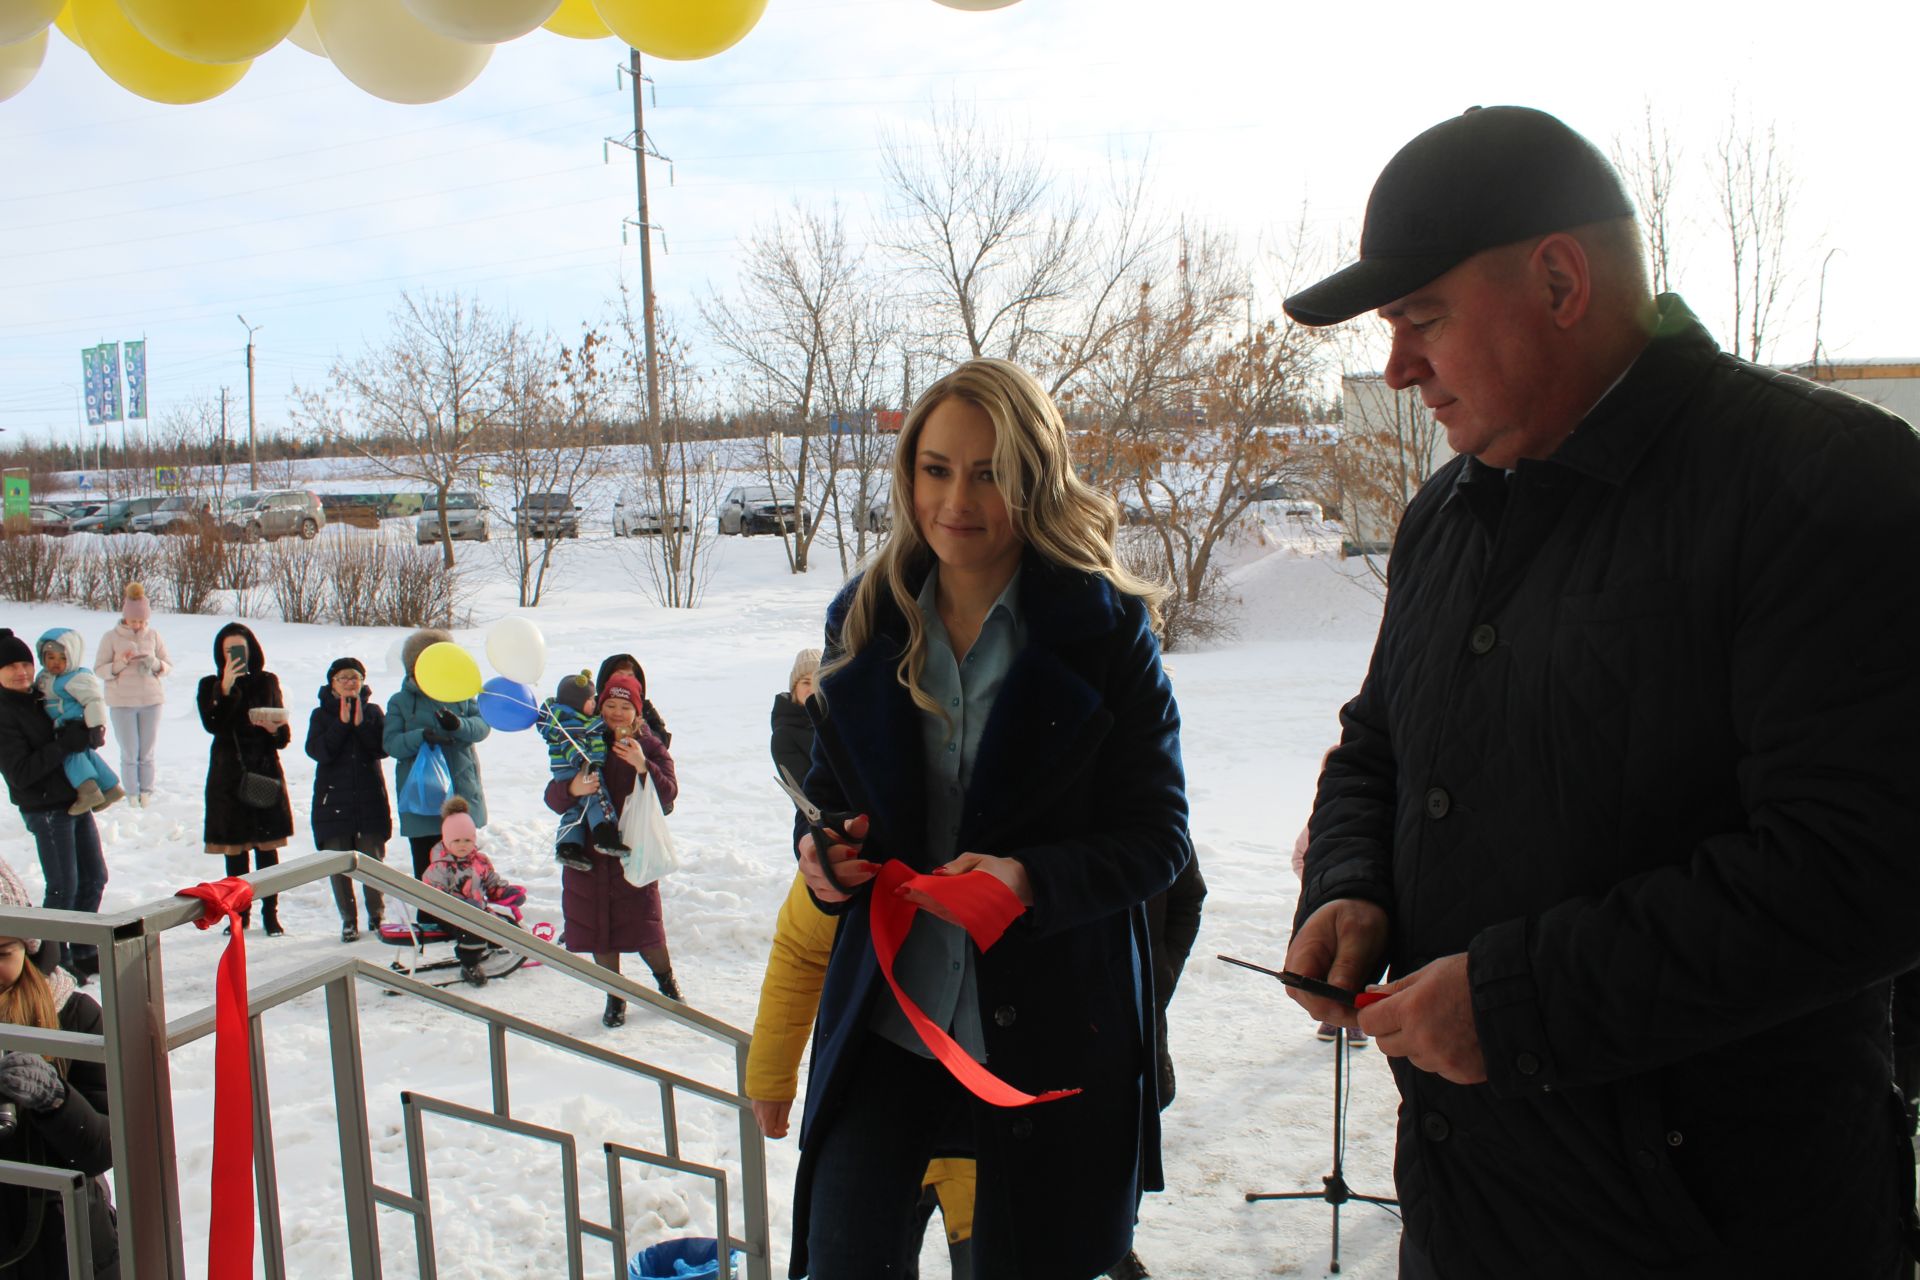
(1627,804)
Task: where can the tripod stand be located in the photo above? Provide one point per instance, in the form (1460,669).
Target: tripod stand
(1335,1190)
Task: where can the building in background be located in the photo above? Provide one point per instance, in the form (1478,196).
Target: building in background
(1892,383)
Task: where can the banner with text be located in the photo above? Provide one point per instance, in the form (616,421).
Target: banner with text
(137,380)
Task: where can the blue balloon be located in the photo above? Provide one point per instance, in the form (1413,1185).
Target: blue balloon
(508,705)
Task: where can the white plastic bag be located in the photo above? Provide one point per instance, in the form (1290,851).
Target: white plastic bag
(643,829)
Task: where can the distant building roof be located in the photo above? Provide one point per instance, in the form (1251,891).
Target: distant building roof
(1858,370)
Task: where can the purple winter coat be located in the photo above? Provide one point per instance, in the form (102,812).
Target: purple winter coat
(600,910)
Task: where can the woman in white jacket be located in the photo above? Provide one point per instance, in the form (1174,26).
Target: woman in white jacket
(131,663)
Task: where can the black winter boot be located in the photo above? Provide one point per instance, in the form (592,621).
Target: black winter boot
(1130,1268)
(616,1014)
(606,838)
(270,917)
(573,855)
(668,987)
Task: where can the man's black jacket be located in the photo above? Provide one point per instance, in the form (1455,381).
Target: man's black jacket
(1639,737)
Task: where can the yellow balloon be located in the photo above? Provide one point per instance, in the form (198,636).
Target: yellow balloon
(142,67)
(20,63)
(24,19)
(681,30)
(69,28)
(576,20)
(447,673)
(214,30)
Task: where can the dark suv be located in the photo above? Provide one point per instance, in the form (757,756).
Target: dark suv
(547,515)
(273,514)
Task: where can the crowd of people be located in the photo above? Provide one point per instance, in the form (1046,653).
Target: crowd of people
(1611,859)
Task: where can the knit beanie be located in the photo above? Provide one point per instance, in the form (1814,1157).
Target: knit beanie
(622,685)
(13,893)
(419,642)
(455,822)
(12,648)
(134,606)
(805,663)
(574,691)
(346,664)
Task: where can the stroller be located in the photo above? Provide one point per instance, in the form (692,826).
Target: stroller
(415,935)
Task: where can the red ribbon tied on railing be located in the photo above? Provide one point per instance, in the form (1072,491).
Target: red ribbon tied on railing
(230,1233)
(984,906)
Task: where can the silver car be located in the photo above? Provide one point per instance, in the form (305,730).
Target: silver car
(466,520)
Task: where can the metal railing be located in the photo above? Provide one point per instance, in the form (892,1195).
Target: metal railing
(137,1040)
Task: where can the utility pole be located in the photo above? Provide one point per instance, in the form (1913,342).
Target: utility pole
(221,488)
(253,447)
(641,147)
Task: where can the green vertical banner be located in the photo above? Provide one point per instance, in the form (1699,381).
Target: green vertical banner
(90,367)
(137,380)
(16,497)
(110,382)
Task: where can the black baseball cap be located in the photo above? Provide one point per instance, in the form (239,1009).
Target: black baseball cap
(1488,177)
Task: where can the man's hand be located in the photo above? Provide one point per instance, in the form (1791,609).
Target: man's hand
(772,1117)
(1008,871)
(1344,943)
(847,863)
(73,736)
(1428,1020)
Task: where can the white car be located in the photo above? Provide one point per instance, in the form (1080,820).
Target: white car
(641,519)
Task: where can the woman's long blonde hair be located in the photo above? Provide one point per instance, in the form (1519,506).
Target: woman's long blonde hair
(1054,511)
(29,1003)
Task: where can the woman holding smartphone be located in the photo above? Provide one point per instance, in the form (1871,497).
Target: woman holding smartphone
(241,706)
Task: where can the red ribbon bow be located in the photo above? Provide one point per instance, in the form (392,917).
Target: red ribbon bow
(985,907)
(230,1243)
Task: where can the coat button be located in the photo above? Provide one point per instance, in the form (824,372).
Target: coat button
(1438,802)
(1526,1064)
(1435,1126)
(1021,1127)
(1004,1016)
(1482,639)
(1675,1138)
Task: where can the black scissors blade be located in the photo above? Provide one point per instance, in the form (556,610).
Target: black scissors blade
(823,839)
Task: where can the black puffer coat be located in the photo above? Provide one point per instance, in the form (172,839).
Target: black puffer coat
(1638,737)
(349,788)
(74,1136)
(33,763)
(239,746)
(792,743)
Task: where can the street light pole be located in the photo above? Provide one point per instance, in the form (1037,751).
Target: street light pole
(253,448)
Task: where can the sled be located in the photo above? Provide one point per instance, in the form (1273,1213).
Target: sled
(416,936)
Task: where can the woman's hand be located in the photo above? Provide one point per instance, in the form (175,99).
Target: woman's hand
(628,749)
(1008,871)
(583,783)
(230,673)
(359,706)
(346,715)
(851,870)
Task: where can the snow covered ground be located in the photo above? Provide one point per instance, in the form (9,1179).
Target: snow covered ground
(1253,1111)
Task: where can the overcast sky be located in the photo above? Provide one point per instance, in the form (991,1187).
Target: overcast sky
(306,205)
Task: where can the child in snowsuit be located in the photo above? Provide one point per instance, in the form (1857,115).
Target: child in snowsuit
(577,739)
(459,868)
(73,694)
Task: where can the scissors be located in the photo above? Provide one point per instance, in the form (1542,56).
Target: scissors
(825,827)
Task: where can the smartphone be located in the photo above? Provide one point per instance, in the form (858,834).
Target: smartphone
(1312,986)
(238,653)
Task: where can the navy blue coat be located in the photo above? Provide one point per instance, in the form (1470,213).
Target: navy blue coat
(349,791)
(1079,777)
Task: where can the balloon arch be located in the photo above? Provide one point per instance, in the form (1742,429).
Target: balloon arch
(410,51)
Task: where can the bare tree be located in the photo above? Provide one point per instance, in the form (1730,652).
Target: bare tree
(546,440)
(1389,443)
(1754,185)
(420,404)
(1649,163)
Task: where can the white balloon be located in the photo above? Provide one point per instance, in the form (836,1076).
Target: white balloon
(517,650)
(977,6)
(303,35)
(482,21)
(24,19)
(391,54)
(20,63)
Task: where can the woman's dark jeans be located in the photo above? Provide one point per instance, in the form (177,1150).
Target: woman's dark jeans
(75,871)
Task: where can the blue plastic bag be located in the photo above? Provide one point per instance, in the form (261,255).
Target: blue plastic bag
(691,1256)
(429,783)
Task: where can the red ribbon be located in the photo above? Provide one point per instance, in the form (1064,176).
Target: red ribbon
(984,906)
(230,1233)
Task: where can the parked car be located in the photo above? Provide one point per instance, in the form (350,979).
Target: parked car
(117,516)
(45,517)
(547,515)
(752,509)
(466,520)
(878,517)
(273,514)
(641,518)
(178,514)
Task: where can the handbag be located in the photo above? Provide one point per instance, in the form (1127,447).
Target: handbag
(428,783)
(643,829)
(256,790)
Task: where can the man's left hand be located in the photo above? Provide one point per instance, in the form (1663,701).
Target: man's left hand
(1428,1020)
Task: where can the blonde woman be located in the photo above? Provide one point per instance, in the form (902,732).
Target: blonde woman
(995,702)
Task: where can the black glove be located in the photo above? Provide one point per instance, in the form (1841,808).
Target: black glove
(446,719)
(97,736)
(437,738)
(30,1080)
(73,736)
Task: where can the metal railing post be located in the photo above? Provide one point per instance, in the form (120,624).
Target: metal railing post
(146,1188)
(350,1110)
